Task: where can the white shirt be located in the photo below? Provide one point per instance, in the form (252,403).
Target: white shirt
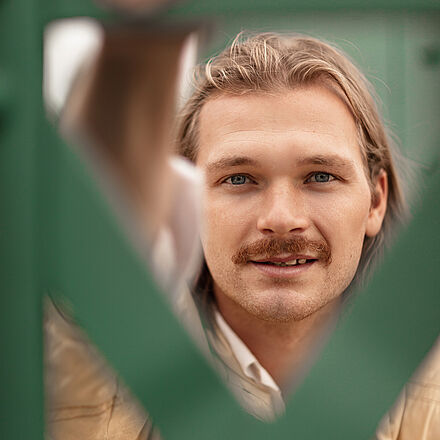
(250,365)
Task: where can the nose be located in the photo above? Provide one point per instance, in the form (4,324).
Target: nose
(283,211)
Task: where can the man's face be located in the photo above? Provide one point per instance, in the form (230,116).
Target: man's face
(286,200)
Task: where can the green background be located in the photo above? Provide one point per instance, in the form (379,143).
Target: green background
(58,236)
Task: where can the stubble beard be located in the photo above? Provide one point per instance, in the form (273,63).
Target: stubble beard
(281,300)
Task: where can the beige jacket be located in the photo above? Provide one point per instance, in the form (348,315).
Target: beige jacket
(85,399)
(416,413)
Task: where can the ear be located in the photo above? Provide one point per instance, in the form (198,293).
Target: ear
(379,205)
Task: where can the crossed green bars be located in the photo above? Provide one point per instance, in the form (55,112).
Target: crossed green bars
(83,255)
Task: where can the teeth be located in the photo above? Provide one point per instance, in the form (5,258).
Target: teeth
(291,263)
(287,263)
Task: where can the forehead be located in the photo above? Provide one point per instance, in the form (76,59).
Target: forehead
(308,120)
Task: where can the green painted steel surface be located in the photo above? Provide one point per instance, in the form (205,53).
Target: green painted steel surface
(21,406)
(58,236)
(227,7)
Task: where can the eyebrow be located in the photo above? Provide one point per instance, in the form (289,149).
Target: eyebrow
(332,160)
(229,162)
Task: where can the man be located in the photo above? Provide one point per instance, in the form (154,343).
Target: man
(300,196)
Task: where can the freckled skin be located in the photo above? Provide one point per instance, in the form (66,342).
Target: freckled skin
(282,197)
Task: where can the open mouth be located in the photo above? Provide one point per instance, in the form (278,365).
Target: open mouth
(296,262)
(284,267)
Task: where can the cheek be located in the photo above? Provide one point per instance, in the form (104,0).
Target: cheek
(224,225)
(342,222)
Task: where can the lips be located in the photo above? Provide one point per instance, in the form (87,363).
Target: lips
(283,267)
(291,260)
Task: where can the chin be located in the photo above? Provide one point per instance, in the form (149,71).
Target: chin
(282,307)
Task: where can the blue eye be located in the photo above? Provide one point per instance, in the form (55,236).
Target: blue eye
(320,177)
(237,179)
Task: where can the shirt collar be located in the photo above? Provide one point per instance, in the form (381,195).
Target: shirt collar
(248,362)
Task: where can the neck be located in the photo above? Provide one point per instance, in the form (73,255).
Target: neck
(283,348)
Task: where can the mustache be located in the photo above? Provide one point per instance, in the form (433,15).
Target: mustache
(272,247)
